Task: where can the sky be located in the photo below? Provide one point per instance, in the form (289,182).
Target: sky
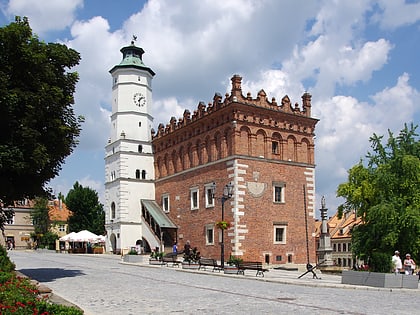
(358,59)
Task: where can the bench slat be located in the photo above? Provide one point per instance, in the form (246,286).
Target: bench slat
(251,265)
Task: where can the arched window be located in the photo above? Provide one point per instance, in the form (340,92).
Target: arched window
(140,148)
(137,174)
(143,174)
(113,210)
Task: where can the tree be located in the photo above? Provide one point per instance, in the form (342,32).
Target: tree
(40,216)
(42,224)
(386,195)
(87,211)
(39,128)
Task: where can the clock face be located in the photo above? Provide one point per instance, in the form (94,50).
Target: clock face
(139,99)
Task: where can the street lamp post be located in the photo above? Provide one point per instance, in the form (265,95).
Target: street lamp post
(227,194)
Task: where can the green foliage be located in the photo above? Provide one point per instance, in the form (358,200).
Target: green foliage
(386,195)
(132,252)
(234,261)
(87,211)
(6,264)
(380,262)
(156,255)
(19,296)
(40,216)
(38,127)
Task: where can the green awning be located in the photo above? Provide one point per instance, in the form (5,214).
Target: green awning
(157,214)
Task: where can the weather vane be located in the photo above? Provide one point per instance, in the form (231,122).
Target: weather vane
(134,39)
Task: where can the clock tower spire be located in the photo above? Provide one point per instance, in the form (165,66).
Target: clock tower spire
(129,163)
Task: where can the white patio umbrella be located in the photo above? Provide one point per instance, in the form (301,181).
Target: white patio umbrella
(67,238)
(84,236)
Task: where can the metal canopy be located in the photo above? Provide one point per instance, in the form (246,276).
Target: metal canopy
(157,213)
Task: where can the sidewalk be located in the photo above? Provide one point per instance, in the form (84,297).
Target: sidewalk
(281,276)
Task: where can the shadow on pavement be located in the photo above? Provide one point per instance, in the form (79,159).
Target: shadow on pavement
(50,274)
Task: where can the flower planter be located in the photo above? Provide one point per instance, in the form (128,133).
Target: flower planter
(191,266)
(98,250)
(230,270)
(133,258)
(379,279)
(155,262)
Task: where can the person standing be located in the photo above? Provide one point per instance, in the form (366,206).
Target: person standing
(409,265)
(396,261)
(175,248)
(187,248)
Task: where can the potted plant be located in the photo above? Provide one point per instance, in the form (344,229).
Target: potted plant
(223,225)
(191,259)
(156,258)
(132,256)
(232,265)
(97,249)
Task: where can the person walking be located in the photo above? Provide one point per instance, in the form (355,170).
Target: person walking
(175,248)
(409,265)
(396,261)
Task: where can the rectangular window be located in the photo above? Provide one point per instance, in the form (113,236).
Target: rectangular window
(209,235)
(278,192)
(165,203)
(11,220)
(275,147)
(194,198)
(209,196)
(280,234)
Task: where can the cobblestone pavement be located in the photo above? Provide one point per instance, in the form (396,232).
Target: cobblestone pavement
(103,284)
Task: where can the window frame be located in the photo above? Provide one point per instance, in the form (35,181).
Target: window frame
(167,208)
(208,189)
(277,226)
(210,229)
(194,196)
(282,187)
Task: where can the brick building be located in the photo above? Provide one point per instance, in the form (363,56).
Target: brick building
(264,149)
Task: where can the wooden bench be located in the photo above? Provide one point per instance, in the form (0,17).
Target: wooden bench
(209,262)
(171,259)
(251,265)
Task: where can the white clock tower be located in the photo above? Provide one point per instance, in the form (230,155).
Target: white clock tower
(129,168)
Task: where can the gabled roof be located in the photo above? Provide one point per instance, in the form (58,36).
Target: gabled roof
(58,211)
(339,228)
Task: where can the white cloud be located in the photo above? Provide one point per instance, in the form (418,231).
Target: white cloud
(45,15)
(396,13)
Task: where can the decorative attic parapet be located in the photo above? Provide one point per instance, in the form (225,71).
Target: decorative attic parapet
(236,96)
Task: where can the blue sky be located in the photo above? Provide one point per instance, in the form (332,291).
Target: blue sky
(358,59)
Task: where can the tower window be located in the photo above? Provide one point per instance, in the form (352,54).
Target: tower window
(275,147)
(143,174)
(138,174)
(139,123)
(113,210)
(140,148)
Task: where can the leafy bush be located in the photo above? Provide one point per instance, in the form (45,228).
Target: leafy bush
(156,255)
(19,296)
(380,262)
(234,261)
